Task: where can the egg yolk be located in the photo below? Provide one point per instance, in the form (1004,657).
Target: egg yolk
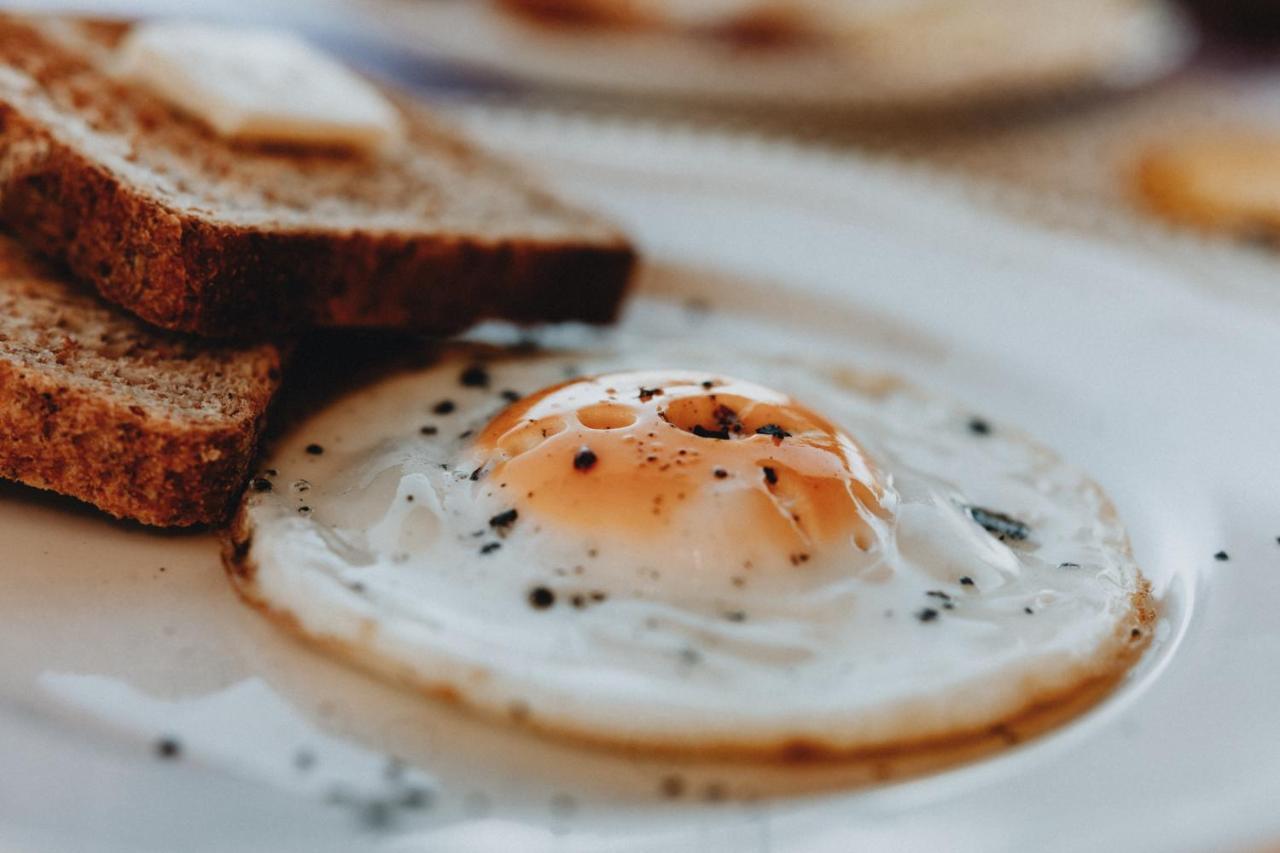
(648,455)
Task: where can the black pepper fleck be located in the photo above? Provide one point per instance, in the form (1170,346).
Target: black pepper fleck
(585,459)
(966,581)
(1068,565)
(261,485)
(1028,611)
(429,430)
(376,814)
(314,449)
(928,614)
(416,798)
(1221,556)
(770,475)
(168,747)
(721,434)
(776,432)
(540,598)
(510,396)
(474,376)
(998,524)
(444,407)
(979,426)
(504,520)
(490,547)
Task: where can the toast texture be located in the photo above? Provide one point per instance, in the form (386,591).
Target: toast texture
(143,424)
(194,233)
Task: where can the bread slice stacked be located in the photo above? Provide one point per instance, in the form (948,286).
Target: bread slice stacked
(212,250)
(145,424)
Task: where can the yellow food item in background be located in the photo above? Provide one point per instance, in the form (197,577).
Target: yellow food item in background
(1222,182)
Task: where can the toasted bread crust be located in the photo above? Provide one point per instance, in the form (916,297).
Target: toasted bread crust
(185,268)
(186,274)
(142,424)
(123,461)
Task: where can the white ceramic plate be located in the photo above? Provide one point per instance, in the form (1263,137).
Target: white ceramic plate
(1147,361)
(981,56)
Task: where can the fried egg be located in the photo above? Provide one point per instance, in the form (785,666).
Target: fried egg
(693,551)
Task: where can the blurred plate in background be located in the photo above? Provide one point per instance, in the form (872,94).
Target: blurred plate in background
(1149,361)
(940,52)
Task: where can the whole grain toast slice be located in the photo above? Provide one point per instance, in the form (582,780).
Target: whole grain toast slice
(143,424)
(195,233)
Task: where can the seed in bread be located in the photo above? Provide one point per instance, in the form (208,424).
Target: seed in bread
(142,424)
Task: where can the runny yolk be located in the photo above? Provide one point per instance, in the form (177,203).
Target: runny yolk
(651,454)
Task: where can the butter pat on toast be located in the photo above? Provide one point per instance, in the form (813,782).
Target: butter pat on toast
(197,232)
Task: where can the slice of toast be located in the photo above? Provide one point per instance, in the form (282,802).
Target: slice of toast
(140,423)
(195,233)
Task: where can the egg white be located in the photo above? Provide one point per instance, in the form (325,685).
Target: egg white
(380,549)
